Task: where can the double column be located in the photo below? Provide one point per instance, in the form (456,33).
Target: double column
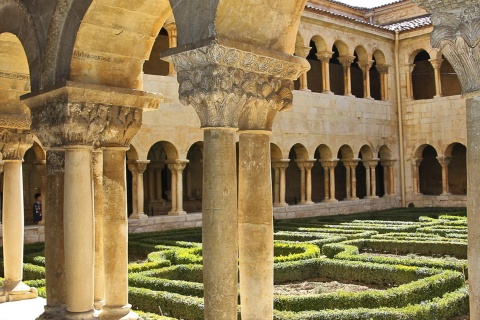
(351,177)
(346,62)
(388,176)
(138,167)
(371,178)
(305,180)
(69,136)
(13,145)
(365,67)
(245,96)
(329,179)
(436,64)
(279,187)
(383,70)
(324,58)
(177,167)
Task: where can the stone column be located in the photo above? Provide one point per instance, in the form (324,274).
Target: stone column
(365,67)
(388,177)
(13,146)
(436,64)
(138,167)
(302,180)
(416,175)
(176,168)
(370,166)
(42,168)
(99,271)
(54,235)
(76,117)
(326,184)
(234,90)
(409,68)
(351,179)
(383,70)
(303,52)
(281,165)
(276,185)
(330,165)
(392,178)
(189,183)
(158,182)
(325,57)
(346,62)
(444,162)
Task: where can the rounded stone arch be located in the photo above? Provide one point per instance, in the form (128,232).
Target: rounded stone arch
(344,153)
(113,38)
(170,151)
(275,152)
(366,152)
(423,77)
(33,173)
(16,20)
(324,152)
(378,84)
(456,160)
(342,48)
(379,57)
(414,53)
(315,74)
(132,153)
(337,83)
(361,53)
(384,153)
(320,43)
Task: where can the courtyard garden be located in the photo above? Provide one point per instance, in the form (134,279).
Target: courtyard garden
(393,264)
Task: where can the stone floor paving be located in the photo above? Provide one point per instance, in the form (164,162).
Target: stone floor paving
(22,310)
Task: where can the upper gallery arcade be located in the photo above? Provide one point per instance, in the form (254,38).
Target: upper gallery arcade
(147,110)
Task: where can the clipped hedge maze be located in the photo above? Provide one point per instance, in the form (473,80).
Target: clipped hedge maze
(416,256)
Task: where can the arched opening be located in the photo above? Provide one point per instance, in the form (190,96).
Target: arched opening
(154,65)
(356,75)
(193,179)
(430,172)
(375,85)
(337,85)
(344,154)
(293,187)
(314,75)
(450,83)
(158,179)
(457,169)
(33,170)
(423,77)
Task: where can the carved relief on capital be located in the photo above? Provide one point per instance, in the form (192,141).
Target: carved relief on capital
(137,166)
(82,123)
(324,56)
(302,51)
(56,162)
(282,163)
(457,35)
(346,61)
(177,165)
(218,81)
(328,163)
(14,144)
(382,68)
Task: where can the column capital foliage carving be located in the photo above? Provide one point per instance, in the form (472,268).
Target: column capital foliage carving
(56,162)
(382,68)
(79,114)
(329,163)
(457,35)
(137,166)
(282,163)
(346,61)
(14,143)
(226,85)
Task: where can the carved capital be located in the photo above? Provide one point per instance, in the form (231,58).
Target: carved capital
(324,56)
(444,161)
(346,61)
(55,162)
(457,35)
(371,163)
(302,51)
(351,163)
(14,144)
(177,165)
(436,63)
(305,164)
(281,164)
(329,163)
(218,81)
(416,162)
(382,68)
(80,114)
(365,65)
(388,163)
(137,167)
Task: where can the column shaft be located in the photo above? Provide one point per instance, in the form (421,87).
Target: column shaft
(255,225)
(368,183)
(349,183)
(140,194)
(332,183)
(282,186)
(308,186)
(99,276)
(54,231)
(302,185)
(78,229)
(173,190)
(326,183)
(276,187)
(115,233)
(158,183)
(219,221)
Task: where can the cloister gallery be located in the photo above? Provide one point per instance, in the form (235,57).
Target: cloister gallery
(155,114)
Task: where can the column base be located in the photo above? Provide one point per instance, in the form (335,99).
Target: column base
(138,216)
(58,312)
(306,202)
(371,197)
(88,315)
(284,204)
(118,313)
(97,305)
(330,200)
(16,291)
(306,90)
(177,213)
(327,92)
(445,194)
